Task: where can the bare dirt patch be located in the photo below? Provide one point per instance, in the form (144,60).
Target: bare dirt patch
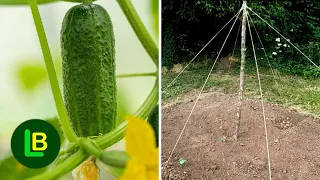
(210,152)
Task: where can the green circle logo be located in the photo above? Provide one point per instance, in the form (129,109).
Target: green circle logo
(35,143)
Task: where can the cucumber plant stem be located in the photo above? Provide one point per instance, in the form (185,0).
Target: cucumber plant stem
(86,1)
(65,123)
(137,75)
(140,30)
(148,104)
(25,2)
(63,168)
(148,44)
(115,159)
(103,141)
(91,147)
(76,159)
(115,135)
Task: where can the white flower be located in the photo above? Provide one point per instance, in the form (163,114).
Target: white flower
(278,39)
(279,44)
(280,51)
(288,40)
(274,53)
(288,45)
(262,48)
(291,30)
(284,45)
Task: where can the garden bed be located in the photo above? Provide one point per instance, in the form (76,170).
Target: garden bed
(211,153)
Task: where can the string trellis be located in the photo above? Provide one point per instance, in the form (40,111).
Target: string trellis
(235,17)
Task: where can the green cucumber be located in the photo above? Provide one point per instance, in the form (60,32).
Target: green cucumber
(153,120)
(88,64)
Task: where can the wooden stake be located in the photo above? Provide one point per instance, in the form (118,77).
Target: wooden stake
(243,60)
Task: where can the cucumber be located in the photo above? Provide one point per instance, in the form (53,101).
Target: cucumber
(88,64)
(153,120)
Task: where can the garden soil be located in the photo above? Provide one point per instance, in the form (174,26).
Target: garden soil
(211,153)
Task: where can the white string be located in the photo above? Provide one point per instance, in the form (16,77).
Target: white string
(235,43)
(262,104)
(284,38)
(202,88)
(234,47)
(265,53)
(275,76)
(236,15)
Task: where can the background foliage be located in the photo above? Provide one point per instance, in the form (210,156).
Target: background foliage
(189,24)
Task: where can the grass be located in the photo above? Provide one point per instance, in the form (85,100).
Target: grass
(292,91)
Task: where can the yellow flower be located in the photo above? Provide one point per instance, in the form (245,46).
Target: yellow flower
(140,144)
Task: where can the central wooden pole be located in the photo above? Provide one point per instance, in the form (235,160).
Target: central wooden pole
(242,66)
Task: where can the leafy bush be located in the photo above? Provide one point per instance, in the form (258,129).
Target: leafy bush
(168,45)
(196,22)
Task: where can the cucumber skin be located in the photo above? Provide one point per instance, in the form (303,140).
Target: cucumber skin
(88,64)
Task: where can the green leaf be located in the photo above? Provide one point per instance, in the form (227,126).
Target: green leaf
(31,75)
(25,2)
(11,169)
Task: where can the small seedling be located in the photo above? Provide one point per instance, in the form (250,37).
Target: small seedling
(182,161)
(223,139)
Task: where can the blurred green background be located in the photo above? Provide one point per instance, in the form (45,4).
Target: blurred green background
(24,88)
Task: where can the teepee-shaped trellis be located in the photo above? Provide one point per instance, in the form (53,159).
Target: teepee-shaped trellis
(245,21)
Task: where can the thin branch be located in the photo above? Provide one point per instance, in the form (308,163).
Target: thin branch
(140,30)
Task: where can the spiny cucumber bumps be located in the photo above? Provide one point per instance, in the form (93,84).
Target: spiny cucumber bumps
(88,64)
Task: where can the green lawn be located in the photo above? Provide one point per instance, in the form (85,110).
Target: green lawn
(292,91)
